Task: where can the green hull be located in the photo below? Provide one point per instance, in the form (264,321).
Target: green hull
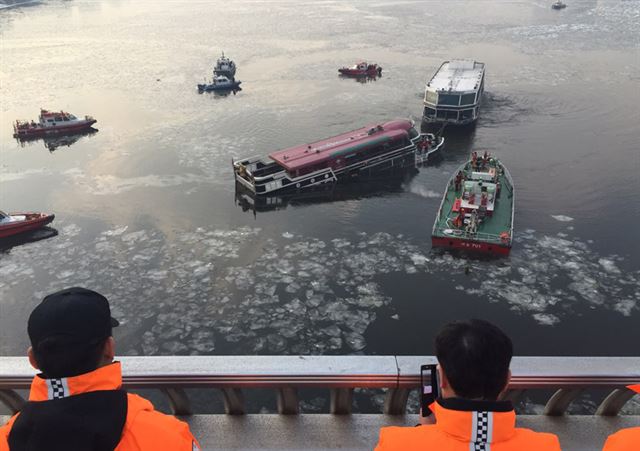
(490,227)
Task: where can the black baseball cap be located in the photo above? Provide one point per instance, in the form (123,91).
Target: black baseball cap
(76,314)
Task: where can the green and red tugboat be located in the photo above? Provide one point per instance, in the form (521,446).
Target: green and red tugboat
(476,212)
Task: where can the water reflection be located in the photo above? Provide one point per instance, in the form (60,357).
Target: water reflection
(53,142)
(361,78)
(221,92)
(6,244)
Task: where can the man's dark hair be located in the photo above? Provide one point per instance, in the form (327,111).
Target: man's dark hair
(57,357)
(475,356)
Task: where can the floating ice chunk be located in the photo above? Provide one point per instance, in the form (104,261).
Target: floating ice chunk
(131,238)
(418,259)
(562,218)
(116,232)
(609,265)
(546,319)
(287,235)
(157,275)
(340,242)
(625,306)
(355,341)
(396,316)
(71,230)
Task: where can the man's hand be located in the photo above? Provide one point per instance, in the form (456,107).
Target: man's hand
(431,419)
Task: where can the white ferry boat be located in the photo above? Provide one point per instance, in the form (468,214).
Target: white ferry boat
(453,94)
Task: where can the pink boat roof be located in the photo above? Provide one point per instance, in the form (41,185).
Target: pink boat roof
(304,155)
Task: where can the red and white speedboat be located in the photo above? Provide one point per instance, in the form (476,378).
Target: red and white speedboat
(15,223)
(51,122)
(362,68)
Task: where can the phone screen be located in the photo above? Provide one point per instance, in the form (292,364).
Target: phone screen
(429,387)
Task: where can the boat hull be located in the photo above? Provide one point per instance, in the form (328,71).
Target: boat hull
(470,245)
(57,130)
(32,222)
(207,88)
(360,73)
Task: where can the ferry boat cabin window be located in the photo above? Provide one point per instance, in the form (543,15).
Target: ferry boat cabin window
(468,99)
(441,114)
(452,115)
(448,99)
(431,97)
(466,114)
(430,111)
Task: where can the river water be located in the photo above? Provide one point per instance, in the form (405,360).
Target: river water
(146,211)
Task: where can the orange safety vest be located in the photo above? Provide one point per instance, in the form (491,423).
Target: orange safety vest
(625,439)
(465,425)
(144,428)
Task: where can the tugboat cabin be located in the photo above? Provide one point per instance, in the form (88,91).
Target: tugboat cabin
(453,94)
(373,148)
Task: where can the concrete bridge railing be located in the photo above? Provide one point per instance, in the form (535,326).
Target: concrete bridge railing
(568,377)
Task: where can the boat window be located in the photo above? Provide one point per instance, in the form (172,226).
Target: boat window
(441,114)
(448,99)
(430,111)
(452,115)
(49,120)
(468,99)
(66,118)
(466,114)
(3,214)
(431,97)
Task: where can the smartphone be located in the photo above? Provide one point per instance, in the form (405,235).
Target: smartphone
(429,388)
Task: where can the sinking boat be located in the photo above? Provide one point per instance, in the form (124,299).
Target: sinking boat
(367,151)
(361,69)
(476,212)
(220,83)
(16,223)
(51,122)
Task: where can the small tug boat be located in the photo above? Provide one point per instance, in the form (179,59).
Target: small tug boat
(476,212)
(220,83)
(367,151)
(15,223)
(558,5)
(51,122)
(224,66)
(361,69)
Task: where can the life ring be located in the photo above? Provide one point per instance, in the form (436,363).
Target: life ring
(504,237)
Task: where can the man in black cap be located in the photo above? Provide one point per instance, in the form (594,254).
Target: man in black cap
(77,403)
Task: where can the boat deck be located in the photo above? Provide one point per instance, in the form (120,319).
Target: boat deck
(458,76)
(499,222)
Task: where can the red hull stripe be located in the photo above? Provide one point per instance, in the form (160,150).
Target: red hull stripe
(53,130)
(14,228)
(467,245)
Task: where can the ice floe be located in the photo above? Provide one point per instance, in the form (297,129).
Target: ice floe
(562,218)
(207,290)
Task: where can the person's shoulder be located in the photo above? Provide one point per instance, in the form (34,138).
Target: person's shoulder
(623,440)
(148,429)
(403,437)
(542,440)
(4,433)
